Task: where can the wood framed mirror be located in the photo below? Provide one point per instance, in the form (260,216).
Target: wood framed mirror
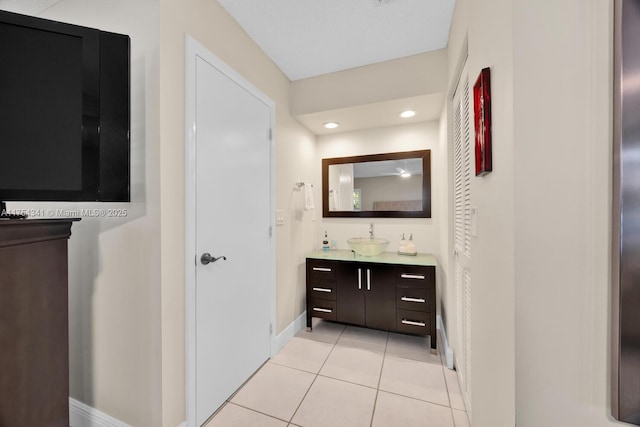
(389,185)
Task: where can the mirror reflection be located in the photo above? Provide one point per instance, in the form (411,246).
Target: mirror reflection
(388,185)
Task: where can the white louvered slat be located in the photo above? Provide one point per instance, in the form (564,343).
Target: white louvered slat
(459,280)
(466,143)
(462,178)
(458,171)
(467,332)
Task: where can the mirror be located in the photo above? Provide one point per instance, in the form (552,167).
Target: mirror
(391,185)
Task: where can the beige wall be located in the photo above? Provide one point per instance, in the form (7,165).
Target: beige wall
(562,158)
(410,76)
(209,23)
(385,189)
(487,25)
(114,268)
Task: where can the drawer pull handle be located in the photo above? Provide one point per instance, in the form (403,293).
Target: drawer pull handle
(413,276)
(322,310)
(321,269)
(412,323)
(322,290)
(409,299)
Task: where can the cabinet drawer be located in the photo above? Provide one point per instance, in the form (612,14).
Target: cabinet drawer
(418,299)
(414,276)
(322,291)
(322,308)
(321,271)
(413,322)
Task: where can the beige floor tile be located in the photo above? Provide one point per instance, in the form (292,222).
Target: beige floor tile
(306,355)
(453,386)
(394,410)
(322,331)
(236,416)
(354,365)
(365,339)
(412,347)
(275,390)
(461,419)
(333,403)
(411,378)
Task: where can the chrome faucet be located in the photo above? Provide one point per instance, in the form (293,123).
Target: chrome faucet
(371,231)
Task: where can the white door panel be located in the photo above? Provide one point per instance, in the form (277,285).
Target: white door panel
(232,220)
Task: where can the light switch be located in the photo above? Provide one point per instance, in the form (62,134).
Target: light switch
(473,221)
(279,217)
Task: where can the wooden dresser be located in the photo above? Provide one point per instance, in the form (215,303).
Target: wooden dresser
(34,341)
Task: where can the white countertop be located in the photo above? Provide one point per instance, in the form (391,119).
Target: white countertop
(383,258)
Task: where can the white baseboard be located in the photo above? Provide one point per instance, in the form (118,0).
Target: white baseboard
(448,353)
(289,332)
(81,415)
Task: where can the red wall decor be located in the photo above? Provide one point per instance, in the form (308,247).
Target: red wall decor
(482,121)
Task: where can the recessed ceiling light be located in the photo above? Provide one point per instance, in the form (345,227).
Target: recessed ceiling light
(408,113)
(405,175)
(331,125)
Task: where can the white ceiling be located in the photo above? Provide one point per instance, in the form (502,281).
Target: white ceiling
(307,38)
(387,168)
(26,7)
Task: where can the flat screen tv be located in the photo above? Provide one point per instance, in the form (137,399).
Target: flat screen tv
(64,112)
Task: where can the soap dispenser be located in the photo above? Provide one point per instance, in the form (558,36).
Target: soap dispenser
(411,246)
(325,242)
(403,245)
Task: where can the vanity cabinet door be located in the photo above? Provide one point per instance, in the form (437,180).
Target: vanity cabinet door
(366,295)
(350,297)
(380,302)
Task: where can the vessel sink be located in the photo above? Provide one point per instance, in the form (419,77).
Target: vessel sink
(367,246)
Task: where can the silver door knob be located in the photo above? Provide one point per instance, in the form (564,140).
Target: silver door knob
(206,258)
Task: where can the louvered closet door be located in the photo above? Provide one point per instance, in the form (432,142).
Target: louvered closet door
(462,167)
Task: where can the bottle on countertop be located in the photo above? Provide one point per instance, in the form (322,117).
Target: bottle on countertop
(325,242)
(411,246)
(403,245)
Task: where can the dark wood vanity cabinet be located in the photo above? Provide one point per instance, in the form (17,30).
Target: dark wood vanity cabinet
(416,300)
(321,289)
(386,296)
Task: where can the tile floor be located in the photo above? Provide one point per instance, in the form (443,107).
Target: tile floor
(339,376)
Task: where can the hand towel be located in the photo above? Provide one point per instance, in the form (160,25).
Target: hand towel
(308,197)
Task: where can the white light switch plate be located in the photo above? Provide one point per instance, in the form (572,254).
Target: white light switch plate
(473,221)
(279,217)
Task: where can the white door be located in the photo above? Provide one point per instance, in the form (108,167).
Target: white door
(232,198)
(462,173)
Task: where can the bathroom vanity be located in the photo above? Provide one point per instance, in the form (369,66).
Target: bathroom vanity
(387,291)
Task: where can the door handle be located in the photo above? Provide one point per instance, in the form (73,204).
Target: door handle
(206,258)
(359,279)
(368,279)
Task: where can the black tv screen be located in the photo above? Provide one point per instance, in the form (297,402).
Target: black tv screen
(64,112)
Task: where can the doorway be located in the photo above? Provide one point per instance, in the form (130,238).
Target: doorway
(229,247)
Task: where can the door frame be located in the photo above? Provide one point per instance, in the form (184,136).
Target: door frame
(194,50)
